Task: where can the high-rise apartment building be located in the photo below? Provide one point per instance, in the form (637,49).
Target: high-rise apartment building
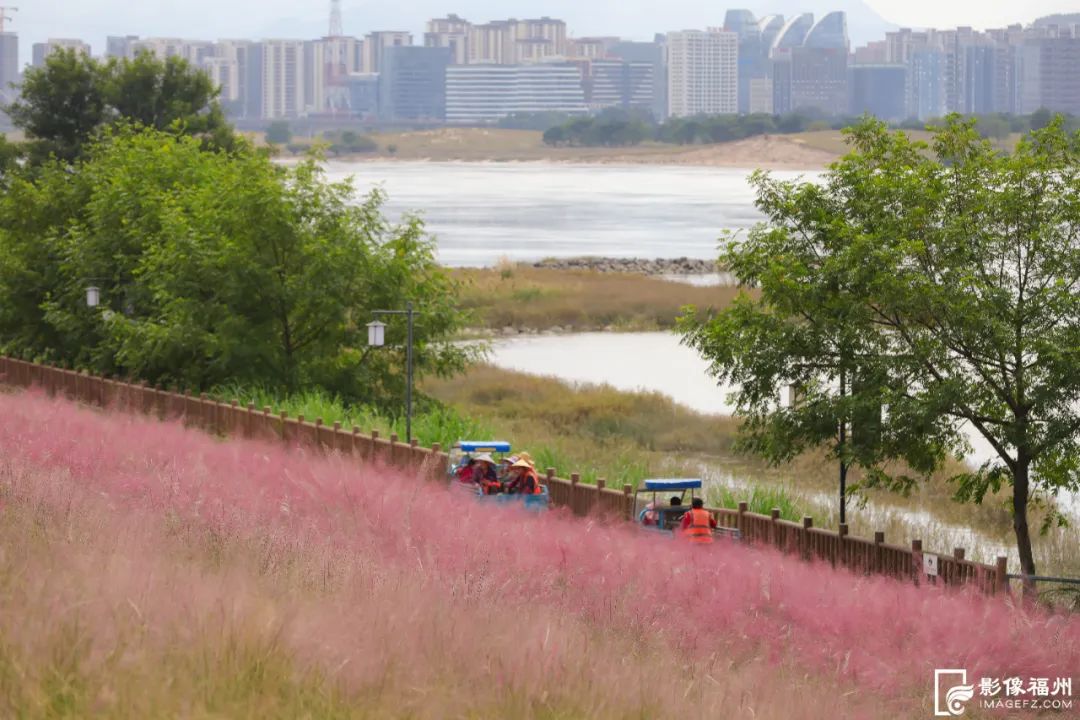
(819,74)
(615,83)
(283,93)
(654,54)
(9,65)
(1049,74)
(450,32)
(41,51)
(120,46)
(703,72)
(412,84)
(377,42)
(477,94)
(880,90)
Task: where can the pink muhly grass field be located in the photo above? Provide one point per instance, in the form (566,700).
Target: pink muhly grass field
(880,637)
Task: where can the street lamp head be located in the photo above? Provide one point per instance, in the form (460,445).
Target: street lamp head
(93,296)
(376,334)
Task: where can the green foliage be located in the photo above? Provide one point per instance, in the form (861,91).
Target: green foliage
(942,283)
(279,133)
(65,102)
(533,120)
(598,132)
(761,500)
(216,267)
(349,141)
(432,423)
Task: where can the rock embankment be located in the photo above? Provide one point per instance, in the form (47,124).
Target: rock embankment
(658,266)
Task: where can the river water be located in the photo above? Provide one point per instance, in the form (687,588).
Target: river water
(483,212)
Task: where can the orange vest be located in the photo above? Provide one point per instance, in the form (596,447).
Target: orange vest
(536,489)
(700,529)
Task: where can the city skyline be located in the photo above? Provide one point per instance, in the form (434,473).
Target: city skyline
(201,19)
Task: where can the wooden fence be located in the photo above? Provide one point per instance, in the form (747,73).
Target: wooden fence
(835,547)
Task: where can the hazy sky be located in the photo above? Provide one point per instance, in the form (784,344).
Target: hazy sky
(92,20)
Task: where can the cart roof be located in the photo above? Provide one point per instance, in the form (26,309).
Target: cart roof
(489,446)
(673,484)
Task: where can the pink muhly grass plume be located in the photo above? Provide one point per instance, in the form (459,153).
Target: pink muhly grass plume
(884,636)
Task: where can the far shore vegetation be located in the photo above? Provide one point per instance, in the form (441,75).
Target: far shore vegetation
(523,297)
(632,136)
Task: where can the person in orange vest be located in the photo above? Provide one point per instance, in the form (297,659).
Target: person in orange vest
(697,525)
(523,479)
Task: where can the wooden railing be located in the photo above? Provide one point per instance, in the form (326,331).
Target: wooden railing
(836,547)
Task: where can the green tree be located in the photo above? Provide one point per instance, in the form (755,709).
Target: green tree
(279,133)
(554,136)
(63,103)
(1040,118)
(215,268)
(943,281)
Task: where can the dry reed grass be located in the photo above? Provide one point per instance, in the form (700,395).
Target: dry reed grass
(521,296)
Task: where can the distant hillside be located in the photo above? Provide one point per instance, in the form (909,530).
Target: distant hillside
(1059,19)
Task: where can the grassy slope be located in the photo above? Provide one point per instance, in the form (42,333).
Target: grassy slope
(525,297)
(114,605)
(151,571)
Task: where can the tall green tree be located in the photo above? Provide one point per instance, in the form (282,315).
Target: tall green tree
(65,102)
(943,280)
(215,268)
(61,104)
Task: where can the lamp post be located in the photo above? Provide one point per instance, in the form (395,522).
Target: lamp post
(377,338)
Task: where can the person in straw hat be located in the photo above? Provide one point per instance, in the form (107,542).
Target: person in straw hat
(523,478)
(484,474)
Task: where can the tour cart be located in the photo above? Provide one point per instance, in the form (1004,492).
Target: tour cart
(463,450)
(460,454)
(661,516)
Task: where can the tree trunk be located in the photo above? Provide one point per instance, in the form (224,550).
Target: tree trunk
(1020,523)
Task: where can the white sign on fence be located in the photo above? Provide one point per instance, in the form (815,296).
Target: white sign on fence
(930,564)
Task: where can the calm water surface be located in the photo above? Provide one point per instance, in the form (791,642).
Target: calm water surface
(481,212)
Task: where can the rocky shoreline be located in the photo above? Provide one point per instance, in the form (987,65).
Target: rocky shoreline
(642,266)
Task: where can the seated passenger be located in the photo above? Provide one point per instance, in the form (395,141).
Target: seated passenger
(652,517)
(466,470)
(485,476)
(523,479)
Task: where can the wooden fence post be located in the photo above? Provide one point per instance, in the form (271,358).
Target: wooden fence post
(601,483)
(284,426)
(807,523)
(916,560)
(1001,572)
(879,539)
(575,478)
(393,448)
(961,571)
(355,439)
(740,522)
(841,543)
(628,502)
(774,528)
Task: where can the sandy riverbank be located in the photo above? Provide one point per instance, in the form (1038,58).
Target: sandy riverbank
(805,151)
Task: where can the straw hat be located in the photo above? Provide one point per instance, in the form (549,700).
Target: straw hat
(526,457)
(484,457)
(523,463)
